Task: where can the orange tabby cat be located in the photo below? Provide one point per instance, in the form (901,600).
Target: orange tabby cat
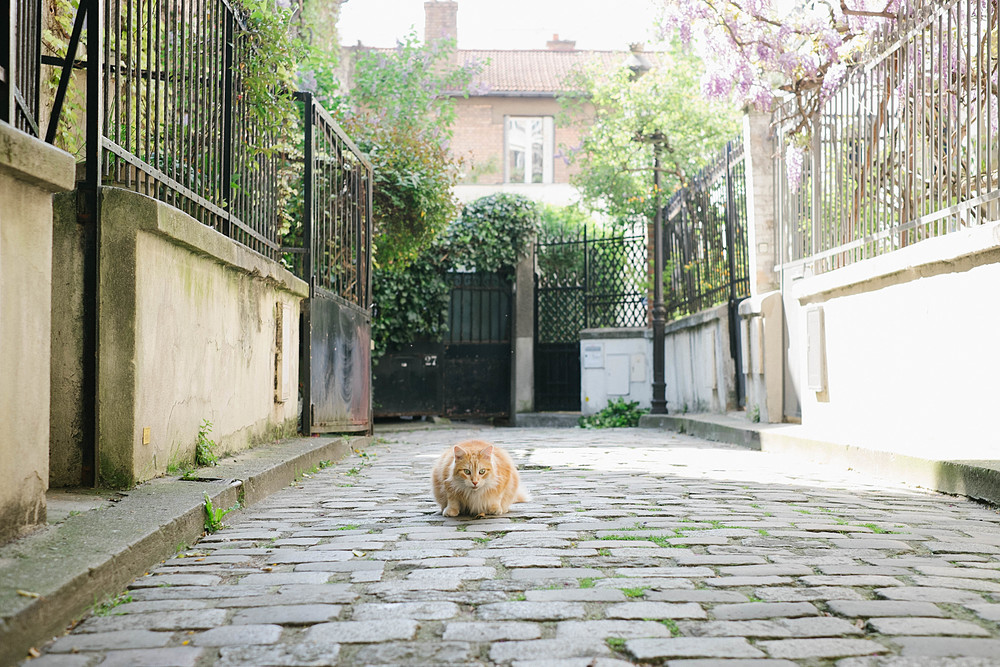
(476,478)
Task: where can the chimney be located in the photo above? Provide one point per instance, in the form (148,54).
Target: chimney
(440,20)
(556,44)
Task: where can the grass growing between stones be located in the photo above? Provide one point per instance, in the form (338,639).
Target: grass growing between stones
(635,592)
(877,529)
(587,582)
(107,607)
(671,625)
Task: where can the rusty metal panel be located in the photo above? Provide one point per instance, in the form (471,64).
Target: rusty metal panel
(340,374)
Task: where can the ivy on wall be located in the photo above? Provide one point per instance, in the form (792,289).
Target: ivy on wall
(492,235)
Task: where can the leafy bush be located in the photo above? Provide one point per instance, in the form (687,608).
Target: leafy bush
(494,232)
(411,299)
(617,414)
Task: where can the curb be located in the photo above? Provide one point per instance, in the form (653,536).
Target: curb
(86,559)
(975,479)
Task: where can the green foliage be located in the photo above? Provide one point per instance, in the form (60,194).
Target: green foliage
(412,299)
(204,451)
(618,413)
(412,198)
(215,515)
(267,70)
(107,607)
(616,155)
(399,110)
(494,232)
(556,222)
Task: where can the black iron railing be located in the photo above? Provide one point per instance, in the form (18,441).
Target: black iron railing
(590,279)
(905,149)
(336,224)
(705,245)
(176,123)
(20,66)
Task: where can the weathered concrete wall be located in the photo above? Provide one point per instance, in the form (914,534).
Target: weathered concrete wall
(700,371)
(615,363)
(902,355)
(762,358)
(66,423)
(30,172)
(188,332)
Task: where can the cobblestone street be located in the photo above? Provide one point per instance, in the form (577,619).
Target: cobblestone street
(638,547)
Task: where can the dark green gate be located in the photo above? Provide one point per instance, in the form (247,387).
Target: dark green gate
(468,373)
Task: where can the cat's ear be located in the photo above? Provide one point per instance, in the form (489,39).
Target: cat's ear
(486,451)
(460,453)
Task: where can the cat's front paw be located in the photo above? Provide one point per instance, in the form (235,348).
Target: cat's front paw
(450,511)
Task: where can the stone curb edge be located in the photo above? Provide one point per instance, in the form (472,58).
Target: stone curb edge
(92,577)
(975,479)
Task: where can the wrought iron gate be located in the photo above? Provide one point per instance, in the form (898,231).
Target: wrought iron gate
(477,347)
(468,372)
(335,361)
(592,280)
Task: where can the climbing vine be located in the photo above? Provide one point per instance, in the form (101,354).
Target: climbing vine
(492,235)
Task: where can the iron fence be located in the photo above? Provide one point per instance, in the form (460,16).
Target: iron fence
(20,64)
(905,149)
(705,245)
(590,279)
(335,234)
(169,114)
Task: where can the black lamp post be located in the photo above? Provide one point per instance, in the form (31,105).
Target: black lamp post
(659,402)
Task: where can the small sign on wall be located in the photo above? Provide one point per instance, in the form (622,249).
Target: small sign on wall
(593,355)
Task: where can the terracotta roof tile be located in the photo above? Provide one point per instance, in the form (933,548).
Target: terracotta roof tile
(539,71)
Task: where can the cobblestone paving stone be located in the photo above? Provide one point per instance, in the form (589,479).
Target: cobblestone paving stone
(638,547)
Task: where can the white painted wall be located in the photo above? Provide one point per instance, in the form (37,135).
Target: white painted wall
(700,372)
(910,354)
(615,363)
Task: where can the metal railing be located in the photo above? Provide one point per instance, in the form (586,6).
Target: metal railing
(905,149)
(590,279)
(20,64)
(168,105)
(336,225)
(705,245)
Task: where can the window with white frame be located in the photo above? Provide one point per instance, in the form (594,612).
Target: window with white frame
(529,149)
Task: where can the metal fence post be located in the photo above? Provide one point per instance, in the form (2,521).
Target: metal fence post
(308,270)
(229,34)
(735,348)
(88,216)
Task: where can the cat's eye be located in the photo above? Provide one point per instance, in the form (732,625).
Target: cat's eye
(482,472)
(467,472)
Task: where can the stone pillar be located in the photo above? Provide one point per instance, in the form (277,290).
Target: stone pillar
(524,335)
(761,235)
(762,315)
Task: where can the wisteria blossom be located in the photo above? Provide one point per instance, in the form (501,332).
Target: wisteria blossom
(759,50)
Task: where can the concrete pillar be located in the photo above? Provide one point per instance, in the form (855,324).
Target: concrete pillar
(761,234)
(30,172)
(524,335)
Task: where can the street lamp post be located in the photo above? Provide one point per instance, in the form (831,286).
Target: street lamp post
(659,402)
